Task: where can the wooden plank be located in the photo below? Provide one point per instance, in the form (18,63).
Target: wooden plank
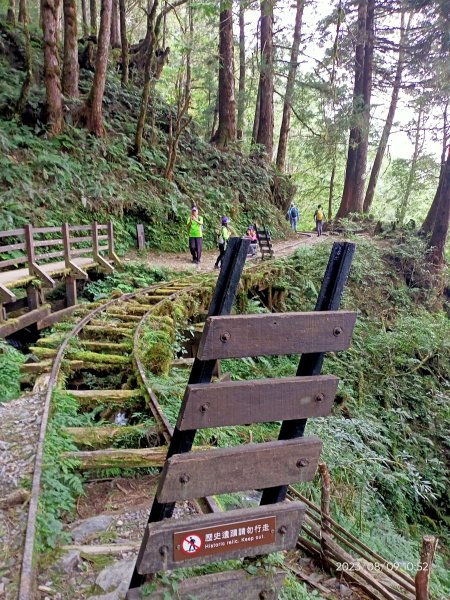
(80,227)
(71,291)
(102,227)
(12,233)
(220,536)
(80,251)
(103,437)
(140,236)
(36,368)
(85,238)
(55,317)
(6,295)
(277,333)
(221,586)
(48,255)
(46,229)
(44,243)
(10,247)
(248,467)
(10,326)
(13,261)
(256,401)
(122,459)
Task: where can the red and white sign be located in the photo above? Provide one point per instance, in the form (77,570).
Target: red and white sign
(191,544)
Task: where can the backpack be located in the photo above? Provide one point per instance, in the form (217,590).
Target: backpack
(293,212)
(319,215)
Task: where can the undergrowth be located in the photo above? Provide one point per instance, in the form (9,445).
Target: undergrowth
(132,275)
(10,363)
(385,444)
(78,178)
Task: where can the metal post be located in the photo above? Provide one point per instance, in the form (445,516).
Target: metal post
(329,298)
(202,371)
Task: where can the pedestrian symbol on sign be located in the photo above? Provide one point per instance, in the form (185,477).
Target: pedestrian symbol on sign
(191,544)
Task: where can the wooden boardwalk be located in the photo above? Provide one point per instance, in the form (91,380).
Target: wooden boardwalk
(27,261)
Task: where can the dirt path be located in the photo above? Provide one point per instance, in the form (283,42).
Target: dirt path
(181,261)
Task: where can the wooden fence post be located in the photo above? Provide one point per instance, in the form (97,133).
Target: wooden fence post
(111,249)
(29,245)
(95,238)
(422,579)
(66,244)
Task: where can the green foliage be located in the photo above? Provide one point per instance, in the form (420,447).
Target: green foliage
(133,275)
(61,484)
(78,178)
(10,362)
(156,344)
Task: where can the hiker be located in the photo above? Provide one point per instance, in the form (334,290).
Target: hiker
(293,216)
(195,232)
(319,218)
(251,233)
(223,235)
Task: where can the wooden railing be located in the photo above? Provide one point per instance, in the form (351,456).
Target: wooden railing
(42,245)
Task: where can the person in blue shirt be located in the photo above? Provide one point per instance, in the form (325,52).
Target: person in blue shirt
(293,216)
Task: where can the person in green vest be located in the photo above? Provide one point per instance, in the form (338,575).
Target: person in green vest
(223,235)
(195,232)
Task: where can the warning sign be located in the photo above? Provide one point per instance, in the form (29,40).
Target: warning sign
(191,544)
(224,538)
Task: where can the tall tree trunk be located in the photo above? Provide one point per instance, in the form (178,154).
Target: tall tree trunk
(241,92)
(93,16)
(257,111)
(412,171)
(333,109)
(84,18)
(124,43)
(389,119)
(188,78)
(147,80)
(52,70)
(26,85)
(94,102)
(287,109)
(361,165)
(115,31)
(428,224)
(226,131)
(348,196)
(70,62)
(439,232)
(23,11)
(265,127)
(11,13)
(215,116)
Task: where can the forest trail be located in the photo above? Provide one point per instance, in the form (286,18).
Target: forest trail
(182,261)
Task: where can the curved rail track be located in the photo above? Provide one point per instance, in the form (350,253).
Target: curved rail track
(120,323)
(123,318)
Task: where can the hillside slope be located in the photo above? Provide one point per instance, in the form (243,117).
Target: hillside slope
(77,177)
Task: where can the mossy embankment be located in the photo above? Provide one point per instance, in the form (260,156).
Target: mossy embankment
(79,178)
